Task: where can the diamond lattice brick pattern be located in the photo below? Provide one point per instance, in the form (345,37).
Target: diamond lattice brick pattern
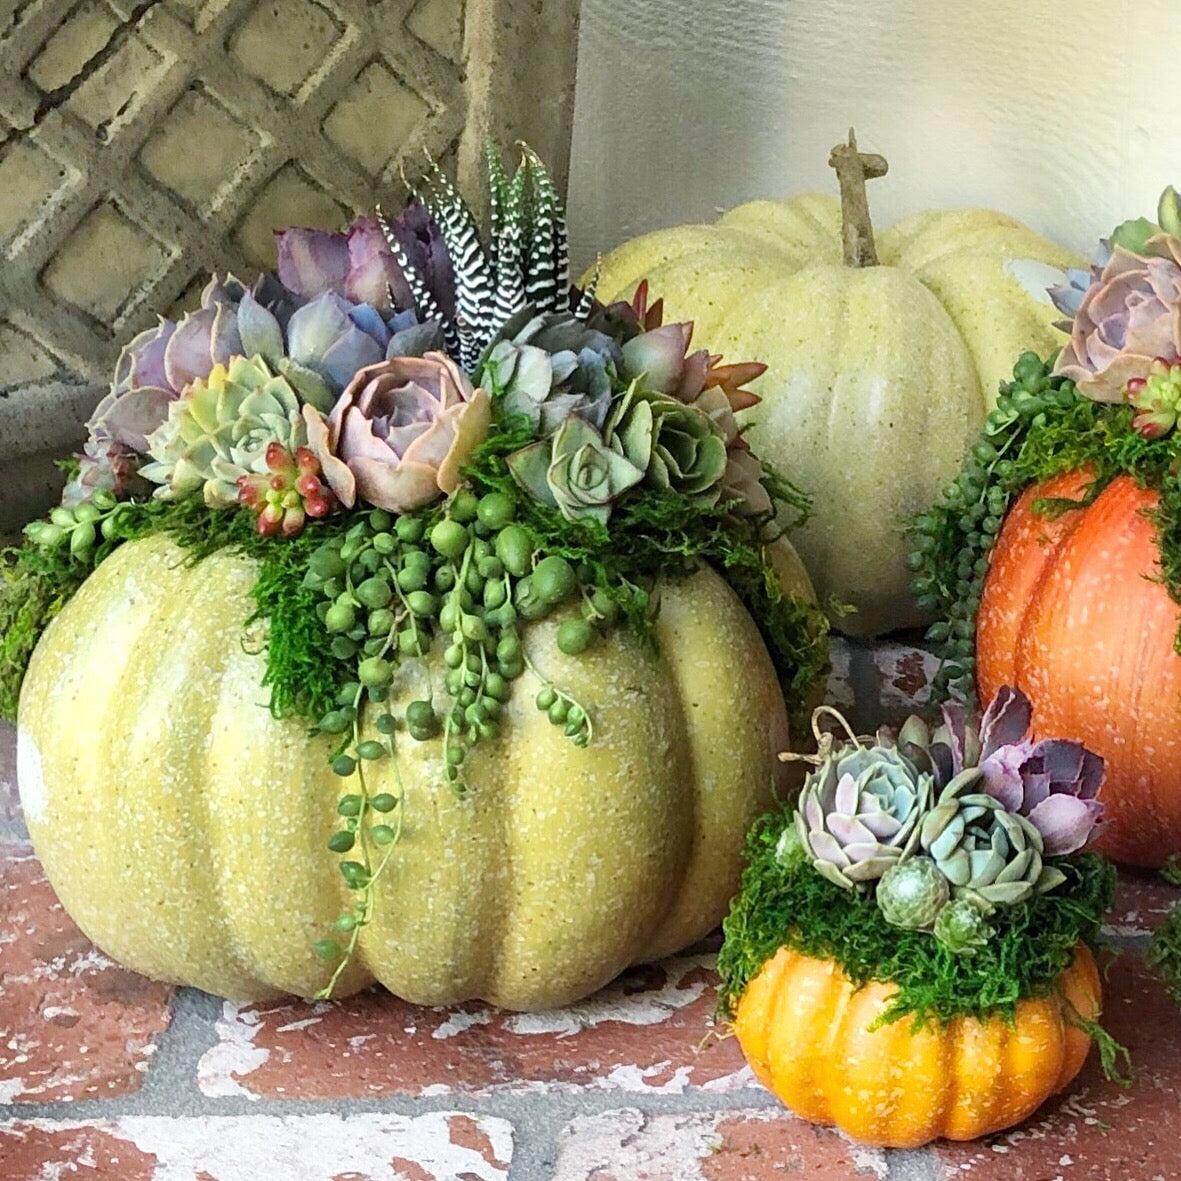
(144,143)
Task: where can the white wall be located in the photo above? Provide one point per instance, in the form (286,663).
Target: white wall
(1066,113)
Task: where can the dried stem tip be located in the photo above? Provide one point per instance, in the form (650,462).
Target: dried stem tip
(853,169)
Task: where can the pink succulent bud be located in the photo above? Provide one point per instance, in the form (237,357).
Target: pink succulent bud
(290,493)
(270,520)
(278,458)
(293,520)
(320,504)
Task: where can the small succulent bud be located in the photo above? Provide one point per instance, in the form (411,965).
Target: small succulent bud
(291,493)
(961,927)
(1168,212)
(911,893)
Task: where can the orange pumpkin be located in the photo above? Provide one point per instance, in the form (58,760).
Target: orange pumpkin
(1074,614)
(809,1036)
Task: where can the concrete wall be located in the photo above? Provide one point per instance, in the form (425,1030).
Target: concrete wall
(144,143)
(1062,112)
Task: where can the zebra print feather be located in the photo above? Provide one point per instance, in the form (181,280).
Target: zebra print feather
(541,249)
(497,198)
(552,202)
(525,260)
(586,301)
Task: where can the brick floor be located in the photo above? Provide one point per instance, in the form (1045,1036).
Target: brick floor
(107,1077)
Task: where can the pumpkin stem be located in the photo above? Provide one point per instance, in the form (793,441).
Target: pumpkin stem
(853,169)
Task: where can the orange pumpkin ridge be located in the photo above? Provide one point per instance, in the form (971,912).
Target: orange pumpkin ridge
(1074,614)
(809,1036)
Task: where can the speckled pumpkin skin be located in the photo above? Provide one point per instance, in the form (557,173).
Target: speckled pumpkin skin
(184,828)
(1074,613)
(878,379)
(806,1033)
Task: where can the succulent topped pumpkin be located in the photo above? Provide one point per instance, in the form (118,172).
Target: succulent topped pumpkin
(909,913)
(1052,559)
(429,479)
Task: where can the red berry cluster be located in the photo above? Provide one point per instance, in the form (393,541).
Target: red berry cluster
(288,494)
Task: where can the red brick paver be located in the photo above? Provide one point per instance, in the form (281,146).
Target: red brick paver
(643,1033)
(1141,902)
(1098,1131)
(905,674)
(741,1145)
(73,1025)
(438,1146)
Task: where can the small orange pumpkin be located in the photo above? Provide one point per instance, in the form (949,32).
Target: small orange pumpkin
(1073,613)
(808,1034)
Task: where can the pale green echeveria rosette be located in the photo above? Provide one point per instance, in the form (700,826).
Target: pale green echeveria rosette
(961,926)
(913,893)
(677,446)
(989,855)
(575,471)
(859,812)
(219,431)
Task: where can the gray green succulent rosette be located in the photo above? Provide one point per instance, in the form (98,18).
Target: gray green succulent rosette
(426,437)
(955,821)
(949,860)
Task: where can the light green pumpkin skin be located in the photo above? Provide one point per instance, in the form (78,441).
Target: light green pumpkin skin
(877,379)
(184,828)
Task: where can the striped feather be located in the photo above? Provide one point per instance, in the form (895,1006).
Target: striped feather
(497,198)
(551,200)
(540,249)
(586,301)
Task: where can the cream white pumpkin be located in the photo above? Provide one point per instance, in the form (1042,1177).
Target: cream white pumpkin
(878,376)
(184,828)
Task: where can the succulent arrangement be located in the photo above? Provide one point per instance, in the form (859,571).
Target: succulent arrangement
(940,873)
(946,825)
(1082,452)
(427,438)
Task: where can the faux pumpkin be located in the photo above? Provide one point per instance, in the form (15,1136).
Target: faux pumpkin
(882,359)
(810,1037)
(183,827)
(1074,613)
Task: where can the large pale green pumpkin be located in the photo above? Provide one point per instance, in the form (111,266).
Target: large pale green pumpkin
(184,828)
(878,377)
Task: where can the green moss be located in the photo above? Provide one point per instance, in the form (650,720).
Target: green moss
(1164,953)
(1041,428)
(792,906)
(302,675)
(659,534)
(651,534)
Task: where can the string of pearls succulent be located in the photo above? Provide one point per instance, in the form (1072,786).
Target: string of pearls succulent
(464,577)
(951,543)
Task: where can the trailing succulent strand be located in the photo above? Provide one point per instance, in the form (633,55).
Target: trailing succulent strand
(1041,427)
(396,508)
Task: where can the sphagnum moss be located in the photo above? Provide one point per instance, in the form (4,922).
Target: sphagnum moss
(784,903)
